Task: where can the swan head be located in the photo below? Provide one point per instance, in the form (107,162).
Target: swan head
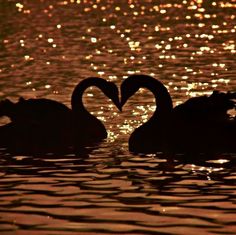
(131,85)
(108,88)
(112,92)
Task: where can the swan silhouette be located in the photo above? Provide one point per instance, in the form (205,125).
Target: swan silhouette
(199,125)
(44,125)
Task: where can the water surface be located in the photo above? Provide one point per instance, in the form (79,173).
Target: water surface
(47,47)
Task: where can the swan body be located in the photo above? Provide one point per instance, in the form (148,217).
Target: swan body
(199,125)
(44,125)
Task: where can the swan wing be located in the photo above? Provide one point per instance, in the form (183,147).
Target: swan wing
(214,107)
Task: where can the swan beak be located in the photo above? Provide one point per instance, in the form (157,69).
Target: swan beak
(116,102)
(119,106)
(122,102)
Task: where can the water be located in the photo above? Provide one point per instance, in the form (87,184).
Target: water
(47,47)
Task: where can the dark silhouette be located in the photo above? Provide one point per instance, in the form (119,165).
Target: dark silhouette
(43,125)
(200,125)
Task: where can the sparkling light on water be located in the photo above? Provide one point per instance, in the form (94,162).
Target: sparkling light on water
(47,47)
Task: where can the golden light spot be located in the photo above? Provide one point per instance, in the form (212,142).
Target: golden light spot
(130,72)
(168,47)
(205,48)
(134,45)
(93,40)
(19,6)
(157,28)
(27,57)
(200,25)
(50,40)
(158,46)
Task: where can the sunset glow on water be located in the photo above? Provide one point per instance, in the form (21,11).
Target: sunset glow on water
(47,47)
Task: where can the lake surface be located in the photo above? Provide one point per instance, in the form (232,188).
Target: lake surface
(47,47)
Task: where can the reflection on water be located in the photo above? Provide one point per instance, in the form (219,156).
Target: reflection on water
(47,47)
(117,192)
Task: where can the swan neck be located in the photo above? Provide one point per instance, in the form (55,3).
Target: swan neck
(163,99)
(77,95)
(77,98)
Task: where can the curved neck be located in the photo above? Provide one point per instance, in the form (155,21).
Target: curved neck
(163,100)
(77,95)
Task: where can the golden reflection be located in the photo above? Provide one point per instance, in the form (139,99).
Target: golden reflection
(219,161)
(112,136)
(163,11)
(134,46)
(230,45)
(203,169)
(22,43)
(101,73)
(227,5)
(28,58)
(19,6)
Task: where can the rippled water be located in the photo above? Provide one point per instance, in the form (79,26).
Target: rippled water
(47,47)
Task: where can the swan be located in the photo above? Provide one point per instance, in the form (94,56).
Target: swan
(44,125)
(199,125)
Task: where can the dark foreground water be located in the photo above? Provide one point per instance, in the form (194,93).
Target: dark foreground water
(47,47)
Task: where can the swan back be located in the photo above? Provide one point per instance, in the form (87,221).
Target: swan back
(33,110)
